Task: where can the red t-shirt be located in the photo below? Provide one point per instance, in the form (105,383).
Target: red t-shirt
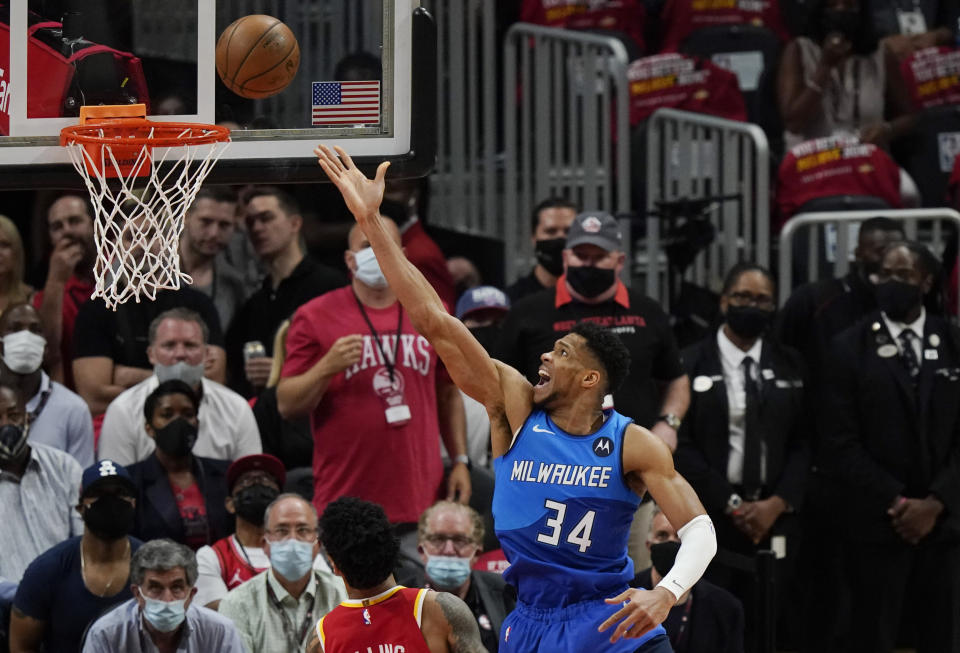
(838,165)
(494,561)
(387,622)
(678,81)
(932,77)
(356,452)
(193,512)
(627,16)
(682,17)
(75,294)
(235,569)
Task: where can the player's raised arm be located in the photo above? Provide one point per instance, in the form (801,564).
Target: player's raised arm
(467,361)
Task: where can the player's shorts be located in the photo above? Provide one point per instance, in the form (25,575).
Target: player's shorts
(572,629)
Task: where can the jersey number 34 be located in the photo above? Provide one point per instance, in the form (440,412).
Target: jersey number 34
(579,536)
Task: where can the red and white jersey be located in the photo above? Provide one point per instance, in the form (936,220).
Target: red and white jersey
(932,77)
(386,623)
(234,568)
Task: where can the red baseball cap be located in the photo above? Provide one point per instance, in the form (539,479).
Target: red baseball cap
(262,461)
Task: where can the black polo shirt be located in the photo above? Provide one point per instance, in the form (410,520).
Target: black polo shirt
(261,315)
(123,335)
(524,287)
(536,322)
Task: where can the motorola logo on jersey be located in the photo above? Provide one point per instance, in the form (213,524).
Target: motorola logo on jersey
(603,446)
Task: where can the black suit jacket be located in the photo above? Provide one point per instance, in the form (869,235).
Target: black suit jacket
(716,618)
(883,436)
(157,515)
(704,440)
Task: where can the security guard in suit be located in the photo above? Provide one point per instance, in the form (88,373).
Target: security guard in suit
(891,429)
(741,446)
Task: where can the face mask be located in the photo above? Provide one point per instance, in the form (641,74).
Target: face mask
(897,298)
(13,443)
(663,555)
(164,616)
(845,21)
(291,558)
(110,517)
(189,374)
(176,438)
(589,281)
(368,270)
(487,336)
(251,502)
(748,321)
(550,254)
(23,351)
(448,572)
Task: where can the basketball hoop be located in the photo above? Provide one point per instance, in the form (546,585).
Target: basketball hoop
(142,177)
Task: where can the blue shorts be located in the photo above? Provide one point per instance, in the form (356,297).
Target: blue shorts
(572,629)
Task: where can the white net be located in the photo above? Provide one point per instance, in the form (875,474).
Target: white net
(139,219)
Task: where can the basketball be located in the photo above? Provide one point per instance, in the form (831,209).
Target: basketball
(257,56)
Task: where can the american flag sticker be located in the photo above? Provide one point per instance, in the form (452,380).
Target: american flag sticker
(346,103)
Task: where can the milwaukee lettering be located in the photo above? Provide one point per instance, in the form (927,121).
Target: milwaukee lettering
(530,471)
(414,353)
(607,321)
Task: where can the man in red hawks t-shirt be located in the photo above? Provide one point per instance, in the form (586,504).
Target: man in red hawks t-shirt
(683,17)
(375,437)
(627,16)
(681,82)
(839,165)
(932,77)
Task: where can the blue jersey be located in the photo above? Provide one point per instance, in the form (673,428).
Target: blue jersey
(563,511)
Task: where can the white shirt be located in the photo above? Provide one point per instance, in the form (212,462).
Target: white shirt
(64,421)
(227,430)
(210,585)
(896,328)
(731,358)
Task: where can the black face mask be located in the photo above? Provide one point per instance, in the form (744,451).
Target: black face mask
(13,443)
(109,517)
(845,21)
(487,336)
(897,298)
(590,281)
(663,555)
(251,502)
(550,254)
(748,321)
(176,438)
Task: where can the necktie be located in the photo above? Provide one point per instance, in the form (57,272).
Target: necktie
(908,354)
(751,431)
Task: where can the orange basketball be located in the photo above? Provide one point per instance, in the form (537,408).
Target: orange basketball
(257,56)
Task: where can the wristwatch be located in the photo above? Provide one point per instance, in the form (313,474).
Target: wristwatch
(672,420)
(463,458)
(733,503)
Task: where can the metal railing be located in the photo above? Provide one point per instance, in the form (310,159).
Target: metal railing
(689,157)
(919,224)
(566,128)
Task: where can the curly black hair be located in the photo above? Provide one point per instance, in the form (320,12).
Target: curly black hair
(360,541)
(608,349)
(171,387)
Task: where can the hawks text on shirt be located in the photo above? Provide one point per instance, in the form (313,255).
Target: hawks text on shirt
(413,352)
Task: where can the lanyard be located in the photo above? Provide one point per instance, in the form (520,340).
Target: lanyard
(684,622)
(44,396)
(391,364)
(287,626)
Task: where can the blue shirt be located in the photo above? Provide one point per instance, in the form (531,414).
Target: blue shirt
(563,511)
(122,631)
(61,419)
(52,591)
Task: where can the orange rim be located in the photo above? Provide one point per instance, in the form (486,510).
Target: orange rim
(126,132)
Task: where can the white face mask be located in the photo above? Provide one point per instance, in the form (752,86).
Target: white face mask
(368,269)
(23,351)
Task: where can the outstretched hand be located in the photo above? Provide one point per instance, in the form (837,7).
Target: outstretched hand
(643,611)
(361,194)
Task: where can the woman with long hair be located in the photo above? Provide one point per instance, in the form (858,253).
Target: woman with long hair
(12,288)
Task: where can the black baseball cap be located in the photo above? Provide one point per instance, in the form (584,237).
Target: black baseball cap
(595,228)
(105,472)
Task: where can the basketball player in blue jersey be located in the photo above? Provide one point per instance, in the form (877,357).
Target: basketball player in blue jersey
(569,475)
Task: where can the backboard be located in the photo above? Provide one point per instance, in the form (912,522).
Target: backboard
(56,55)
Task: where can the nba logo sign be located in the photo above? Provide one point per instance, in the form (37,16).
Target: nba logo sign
(366,617)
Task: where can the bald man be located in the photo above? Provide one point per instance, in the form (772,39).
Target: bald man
(376,398)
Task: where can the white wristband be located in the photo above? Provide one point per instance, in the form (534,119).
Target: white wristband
(698,544)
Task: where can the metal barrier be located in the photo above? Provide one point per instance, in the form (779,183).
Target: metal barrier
(463,189)
(932,234)
(689,157)
(566,128)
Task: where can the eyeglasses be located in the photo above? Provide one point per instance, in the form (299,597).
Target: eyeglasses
(461,543)
(302,533)
(745,298)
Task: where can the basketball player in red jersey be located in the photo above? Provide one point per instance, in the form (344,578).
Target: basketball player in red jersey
(381,616)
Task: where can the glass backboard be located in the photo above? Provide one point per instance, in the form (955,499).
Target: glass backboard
(56,55)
